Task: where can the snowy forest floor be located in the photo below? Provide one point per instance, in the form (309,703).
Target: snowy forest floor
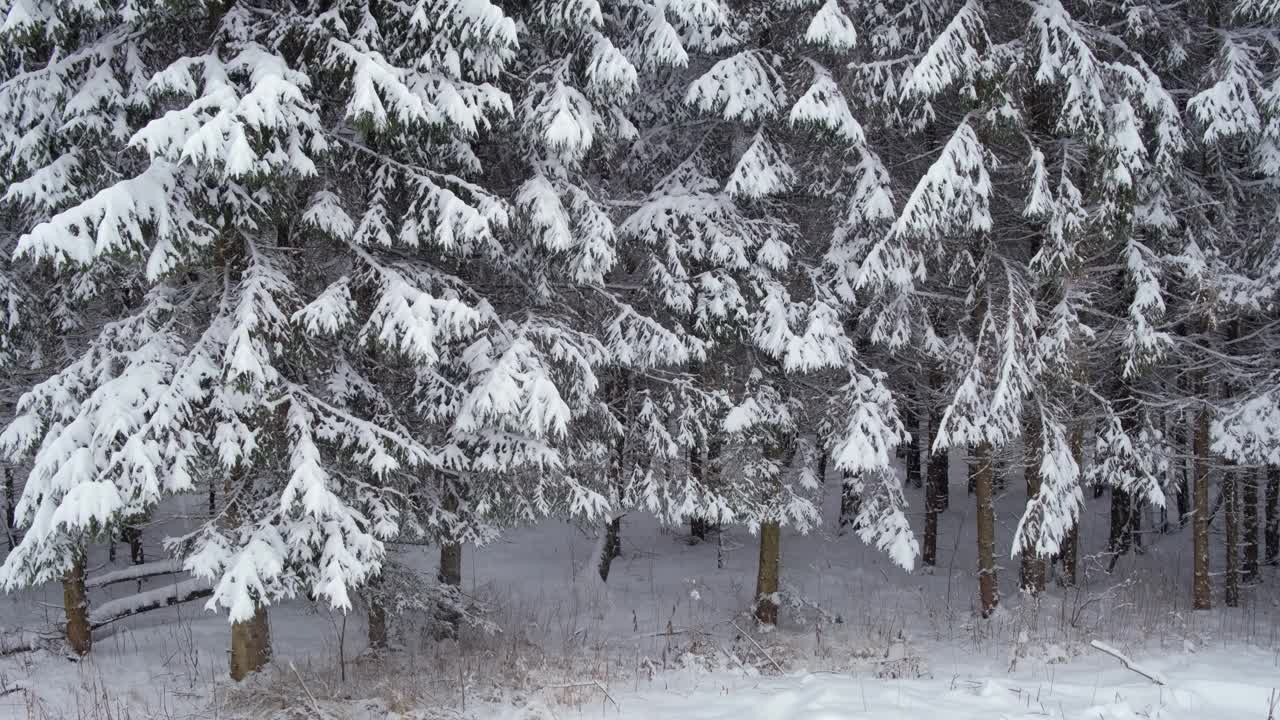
(860,638)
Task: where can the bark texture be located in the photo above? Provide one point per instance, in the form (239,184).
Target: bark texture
(767,577)
(1231,582)
(1201,592)
(1071,545)
(250,644)
(983,487)
(377,617)
(1032,573)
(75,601)
(934,503)
(1272,532)
(1249,524)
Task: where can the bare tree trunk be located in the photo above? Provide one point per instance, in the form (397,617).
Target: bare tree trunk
(1184,489)
(10,505)
(933,500)
(377,616)
(850,504)
(912,421)
(697,523)
(613,531)
(983,486)
(1032,575)
(250,644)
(1250,524)
(450,564)
(132,533)
(1201,593)
(766,609)
(1137,508)
(1071,545)
(942,478)
(612,547)
(1272,531)
(75,602)
(1231,591)
(1121,532)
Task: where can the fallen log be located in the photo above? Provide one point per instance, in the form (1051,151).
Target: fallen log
(160,597)
(135,572)
(24,641)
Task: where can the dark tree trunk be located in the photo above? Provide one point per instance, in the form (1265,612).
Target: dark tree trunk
(1272,532)
(10,505)
(934,502)
(697,523)
(850,504)
(1032,574)
(1249,526)
(1201,592)
(1071,545)
(912,421)
(132,533)
(1231,589)
(450,564)
(988,585)
(942,458)
(612,547)
(1121,530)
(377,616)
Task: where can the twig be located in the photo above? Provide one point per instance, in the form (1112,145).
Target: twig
(758,646)
(1129,664)
(320,713)
(590,683)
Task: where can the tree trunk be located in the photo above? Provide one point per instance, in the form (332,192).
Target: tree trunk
(1071,545)
(767,577)
(1231,591)
(1032,575)
(983,486)
(1184,491)
(1201,595)
(75,601)
(1137,508)
(10,504)
(1121,532)
(1250,524)
(850,504)
(132,533)
(250,639)
(934,499)
(613,531)
(250,644)
(377,616)
(1272,531)
(450,564)
(612,547)
(697,523)
(942,458)
(912,422)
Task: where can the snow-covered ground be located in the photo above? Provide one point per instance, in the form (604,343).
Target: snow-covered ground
(666,638)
